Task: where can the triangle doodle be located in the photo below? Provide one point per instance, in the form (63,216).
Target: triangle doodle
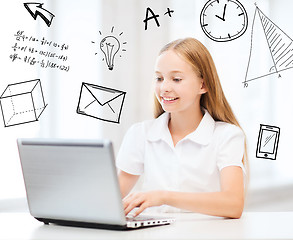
(271,49)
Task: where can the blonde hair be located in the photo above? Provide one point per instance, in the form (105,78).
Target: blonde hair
(214,100)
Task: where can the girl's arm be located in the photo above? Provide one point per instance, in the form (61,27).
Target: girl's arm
(127,182)
(229,202)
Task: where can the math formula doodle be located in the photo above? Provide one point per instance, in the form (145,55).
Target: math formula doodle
(34,51)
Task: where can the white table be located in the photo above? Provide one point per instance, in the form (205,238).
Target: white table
(252,225)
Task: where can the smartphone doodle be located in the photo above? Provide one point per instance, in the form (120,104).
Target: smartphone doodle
(268,140)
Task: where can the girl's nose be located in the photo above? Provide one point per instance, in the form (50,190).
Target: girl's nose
(165,86)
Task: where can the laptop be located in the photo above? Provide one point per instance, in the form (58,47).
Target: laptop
(74,182)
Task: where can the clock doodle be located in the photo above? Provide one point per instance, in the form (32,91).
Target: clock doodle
(223,20)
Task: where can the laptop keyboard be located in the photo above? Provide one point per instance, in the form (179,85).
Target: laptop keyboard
(139,218)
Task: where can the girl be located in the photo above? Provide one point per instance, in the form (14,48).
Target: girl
(192,154)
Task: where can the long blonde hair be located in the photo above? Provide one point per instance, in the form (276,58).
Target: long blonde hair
(214,100)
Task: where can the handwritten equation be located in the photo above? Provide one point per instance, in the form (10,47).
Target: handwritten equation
(34,51)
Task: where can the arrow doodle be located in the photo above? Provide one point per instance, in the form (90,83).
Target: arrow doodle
(36,9)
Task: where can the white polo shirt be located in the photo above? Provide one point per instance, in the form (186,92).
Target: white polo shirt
(193,165)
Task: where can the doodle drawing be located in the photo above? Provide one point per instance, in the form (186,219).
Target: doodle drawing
(100,102)
(22,102)
(36,9)
(268,140)
(223,20)
(110,46)
(155,16)
(271,49)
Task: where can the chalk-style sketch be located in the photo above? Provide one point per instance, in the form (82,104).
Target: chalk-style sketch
(39,51)
(36,9)
(271,49)
(110,46)
(154,16)
(100,102)
(22,102)
(268,140)
(223,20)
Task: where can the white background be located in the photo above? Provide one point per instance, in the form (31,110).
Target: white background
(77,23)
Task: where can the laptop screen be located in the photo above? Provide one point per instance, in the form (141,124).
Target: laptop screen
(73,180)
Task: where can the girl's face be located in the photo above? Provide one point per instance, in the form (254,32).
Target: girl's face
(178,88)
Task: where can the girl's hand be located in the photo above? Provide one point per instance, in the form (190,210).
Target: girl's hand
(143,200)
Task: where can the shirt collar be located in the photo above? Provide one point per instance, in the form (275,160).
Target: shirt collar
(202,135)
(205,130)
(159,128)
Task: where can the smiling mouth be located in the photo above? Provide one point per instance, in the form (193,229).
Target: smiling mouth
(169,99)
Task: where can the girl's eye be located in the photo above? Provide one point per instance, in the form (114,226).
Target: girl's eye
(159,79)
(177,79)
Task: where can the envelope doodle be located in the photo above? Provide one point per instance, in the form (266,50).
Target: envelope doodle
(100,102)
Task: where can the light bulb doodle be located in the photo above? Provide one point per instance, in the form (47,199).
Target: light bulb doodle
(110,47)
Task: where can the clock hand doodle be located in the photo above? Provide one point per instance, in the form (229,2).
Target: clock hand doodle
(233,18)
(224,12)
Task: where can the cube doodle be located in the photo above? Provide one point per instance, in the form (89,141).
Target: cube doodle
(22,102)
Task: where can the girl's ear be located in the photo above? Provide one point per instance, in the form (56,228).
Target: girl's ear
(203,87)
